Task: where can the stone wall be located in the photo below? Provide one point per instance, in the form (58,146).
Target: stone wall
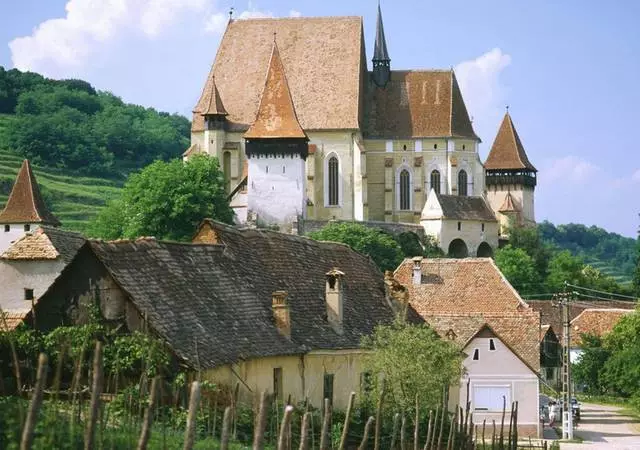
(308,226)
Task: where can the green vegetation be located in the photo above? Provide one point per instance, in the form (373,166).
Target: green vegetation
(166,200)
(67,124)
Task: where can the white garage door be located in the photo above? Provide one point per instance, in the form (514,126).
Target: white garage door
(490,398)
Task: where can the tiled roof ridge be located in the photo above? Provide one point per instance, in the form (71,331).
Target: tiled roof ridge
(26,190)
(276,116)
(307,18)
(511,148)
(591,310)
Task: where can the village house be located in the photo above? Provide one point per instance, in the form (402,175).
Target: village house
(470,302)
(267,310)
(333,140)
(550,357)
(594,321)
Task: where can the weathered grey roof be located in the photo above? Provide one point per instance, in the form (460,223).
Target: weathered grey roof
(212,303)
(462,207)
(380,52)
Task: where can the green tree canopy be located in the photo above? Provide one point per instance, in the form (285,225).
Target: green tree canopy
(519,268)
(380,246)
(587,370)
(413,360)
(564,267)
(166,200)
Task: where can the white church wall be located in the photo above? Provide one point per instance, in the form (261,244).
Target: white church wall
(276,188)
(471,232)
(522,197)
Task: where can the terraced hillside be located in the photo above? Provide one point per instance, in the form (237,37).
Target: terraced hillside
(74,200)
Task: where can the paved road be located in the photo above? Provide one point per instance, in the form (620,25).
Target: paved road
(601,427)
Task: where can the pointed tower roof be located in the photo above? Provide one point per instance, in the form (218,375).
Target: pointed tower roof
(25,204)
(508,205)
(507,151)
(276,116)
(380,52)
(213,105)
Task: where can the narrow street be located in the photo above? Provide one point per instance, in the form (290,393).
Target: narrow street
(601,427)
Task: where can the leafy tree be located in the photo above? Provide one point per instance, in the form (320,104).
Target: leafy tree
(587,370)
(519,268)
(413,360)
(530,240)
(621,372)
(166,200)
(564,267)
(380,246)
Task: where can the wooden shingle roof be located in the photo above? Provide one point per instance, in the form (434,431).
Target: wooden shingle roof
(507,151)
(276,116)
(213,303)
(25,203)
(462,207)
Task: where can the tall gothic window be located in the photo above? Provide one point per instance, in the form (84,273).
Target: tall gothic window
(333,181)
(462,183)
(405,190)
(435,181)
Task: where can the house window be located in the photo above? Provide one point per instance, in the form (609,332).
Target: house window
(492,345)
(404,147)
(491,398)
(476,354)
(327,389)
(405,190)
(462,183)
(482,227)
(27,227)
(435,146)
(435,181)
(277,383)
(459,226)
(333,180)
(7,228)
(28,294)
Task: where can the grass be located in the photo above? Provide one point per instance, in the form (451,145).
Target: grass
(75,200)
(607,269)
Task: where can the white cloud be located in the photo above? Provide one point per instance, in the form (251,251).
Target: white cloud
(294,13)
(636,176)
(59,44)
(569,168)
(479,80)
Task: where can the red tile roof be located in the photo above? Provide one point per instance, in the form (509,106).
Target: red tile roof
(10,320)
(25,204)
(213,104)
(276,116)
(508,205)
(507,151)
(595,321)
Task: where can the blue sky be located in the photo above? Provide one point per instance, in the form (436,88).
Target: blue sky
(567,69)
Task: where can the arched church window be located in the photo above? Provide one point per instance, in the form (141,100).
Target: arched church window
(333,181)
(462,183)
(405,190)
(435,181)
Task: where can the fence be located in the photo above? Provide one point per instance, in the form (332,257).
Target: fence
(90,425)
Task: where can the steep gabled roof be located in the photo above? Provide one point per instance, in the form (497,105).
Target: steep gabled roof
(276,116)
(25,204)
(508,205)
(213,105)
(212,303)
(325,61)
(417,104)
(507,151)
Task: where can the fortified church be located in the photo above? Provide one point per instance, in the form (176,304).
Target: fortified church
(305,133)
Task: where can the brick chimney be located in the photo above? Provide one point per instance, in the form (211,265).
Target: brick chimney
(281,313)
(334,294)
(417,270)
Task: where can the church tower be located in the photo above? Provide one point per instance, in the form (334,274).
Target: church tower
(215,119)
(381,60)
(25,210)
(510,177)
(276,147)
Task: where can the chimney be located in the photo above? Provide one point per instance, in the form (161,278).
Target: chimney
(417,270)
(281,312)
(334,293)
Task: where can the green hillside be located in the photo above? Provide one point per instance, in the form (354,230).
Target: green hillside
(74,200)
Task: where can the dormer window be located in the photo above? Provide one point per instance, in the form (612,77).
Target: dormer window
(7,228)
(492,345)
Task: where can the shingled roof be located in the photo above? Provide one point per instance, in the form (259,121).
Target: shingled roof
(507,151)
(508,205)
(416,104)
(213,104)
(325,62)
(462,295)
(25,203)
(213,303)
(462,207)
(276,116)
(598,321)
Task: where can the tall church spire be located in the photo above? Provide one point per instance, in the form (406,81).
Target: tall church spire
(381,60)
